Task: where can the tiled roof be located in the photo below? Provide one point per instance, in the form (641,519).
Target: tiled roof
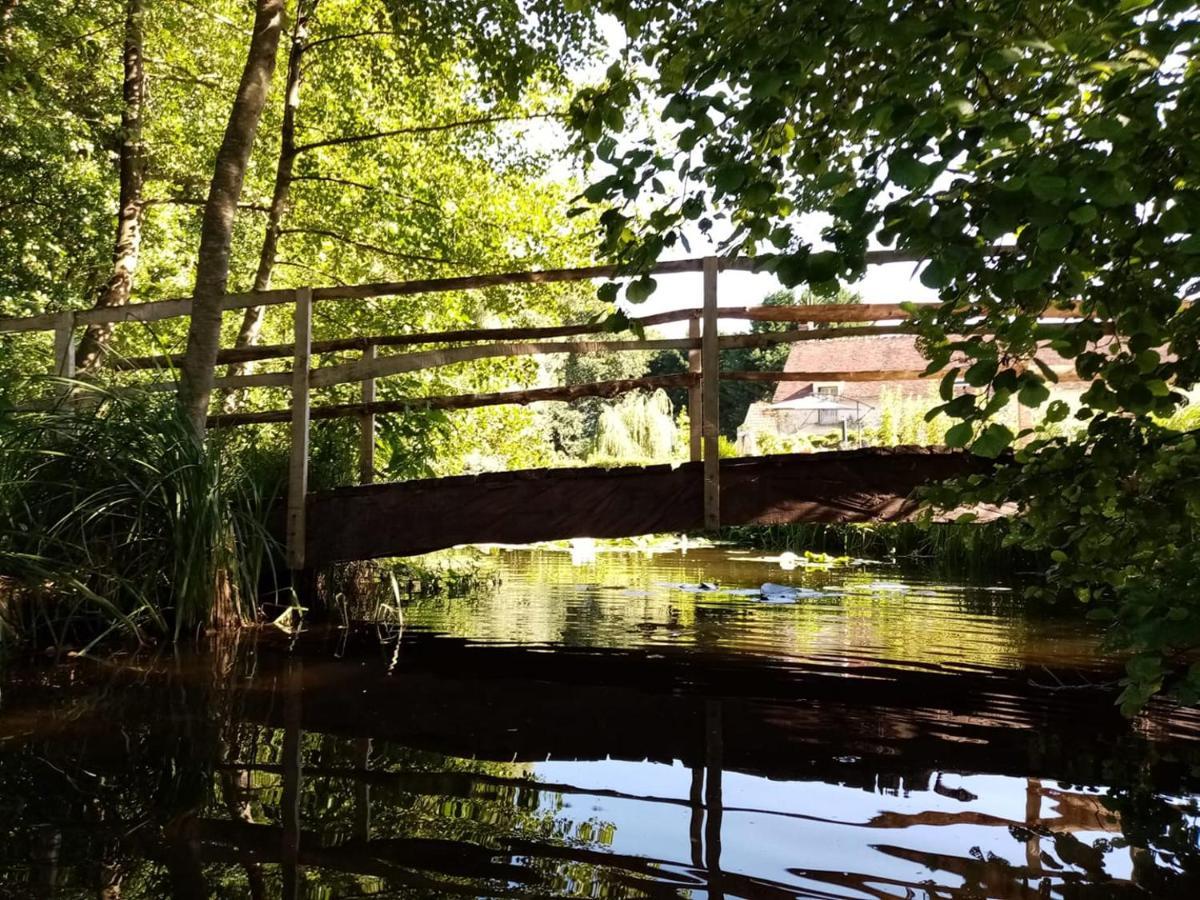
(891,352)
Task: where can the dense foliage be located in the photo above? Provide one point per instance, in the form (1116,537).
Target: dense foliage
(416,154)
(1065,130)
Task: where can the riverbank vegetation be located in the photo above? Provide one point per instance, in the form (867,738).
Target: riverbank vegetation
(1042,157)
(1064,131)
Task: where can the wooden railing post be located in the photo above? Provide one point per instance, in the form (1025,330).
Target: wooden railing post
(710,375)
(695,404)
(298,460)
(366,424)
(64,345)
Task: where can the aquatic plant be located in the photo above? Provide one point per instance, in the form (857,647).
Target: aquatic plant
(947,547)
(114,517)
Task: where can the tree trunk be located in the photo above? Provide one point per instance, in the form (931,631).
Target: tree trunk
(133,175)
(252,321)
(7,8)
(216,232)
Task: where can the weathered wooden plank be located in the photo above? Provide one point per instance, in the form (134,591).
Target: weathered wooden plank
(361,343)
(430,359)
(861,375)
(520,507)
(1064,375)
(852,312)
(64,345)
(710,367)
(298,457)
(165,309)
(366,425)
(462,401)
(695,397)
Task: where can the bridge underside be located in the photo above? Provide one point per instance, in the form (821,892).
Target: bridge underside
(411,517)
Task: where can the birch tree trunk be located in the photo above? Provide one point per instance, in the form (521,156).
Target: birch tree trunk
(132,168)
(216,232)
(252,320)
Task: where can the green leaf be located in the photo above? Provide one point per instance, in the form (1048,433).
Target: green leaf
(908,172)
(1057,411)
(1055,237)
(946,387)
(1048,187)
(640,290)
(824,266)
(1033,393)
(993,441)
(1081,215)
(959,435)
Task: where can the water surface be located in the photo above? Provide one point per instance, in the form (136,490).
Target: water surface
(610,728)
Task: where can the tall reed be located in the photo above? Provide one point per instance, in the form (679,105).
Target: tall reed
(115,517)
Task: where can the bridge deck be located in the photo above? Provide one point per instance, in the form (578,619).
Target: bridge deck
(411,517)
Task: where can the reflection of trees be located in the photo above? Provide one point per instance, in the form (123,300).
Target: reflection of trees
(156,787)
(173,779)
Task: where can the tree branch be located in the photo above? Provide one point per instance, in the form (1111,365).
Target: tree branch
(421,129)
(344,37)
(307,268)
(366,187)
(199,201)
(363,245)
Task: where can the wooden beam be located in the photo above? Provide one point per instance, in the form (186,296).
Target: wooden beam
(1064,375)
(710,368)
(462,401)
(430,359)
(361,343)
(166,309)
(366,425)
(695,403)
(298,458)
(859,375)
(64,345)
(853,312)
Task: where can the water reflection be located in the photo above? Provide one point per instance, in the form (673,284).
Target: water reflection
(674,745)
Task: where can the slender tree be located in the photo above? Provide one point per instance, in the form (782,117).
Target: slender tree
(280,196)
(216,233)
(132,173)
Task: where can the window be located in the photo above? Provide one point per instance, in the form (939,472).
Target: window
(829,392)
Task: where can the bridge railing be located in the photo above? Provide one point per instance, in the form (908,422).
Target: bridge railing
(703,345)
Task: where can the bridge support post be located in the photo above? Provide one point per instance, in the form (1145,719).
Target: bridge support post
(710,380)
(695,402)
(366,424)
(298,459)
(64,349)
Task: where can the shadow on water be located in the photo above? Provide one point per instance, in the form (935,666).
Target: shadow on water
(700,746)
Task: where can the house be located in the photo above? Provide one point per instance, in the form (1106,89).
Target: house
(848,409)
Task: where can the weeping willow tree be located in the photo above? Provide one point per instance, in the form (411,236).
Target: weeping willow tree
(639,427)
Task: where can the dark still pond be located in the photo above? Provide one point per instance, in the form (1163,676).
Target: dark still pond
(610,728)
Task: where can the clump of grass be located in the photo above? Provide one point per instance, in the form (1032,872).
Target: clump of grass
(115,517)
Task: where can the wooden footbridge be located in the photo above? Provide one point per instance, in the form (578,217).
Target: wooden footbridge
(376,520)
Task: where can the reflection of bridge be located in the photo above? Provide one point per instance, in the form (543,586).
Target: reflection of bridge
(875,729)
(401,519)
